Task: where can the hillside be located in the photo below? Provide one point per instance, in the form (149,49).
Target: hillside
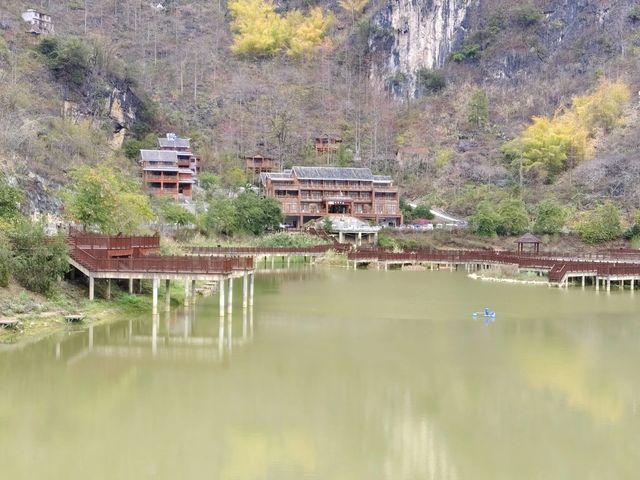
(399,81)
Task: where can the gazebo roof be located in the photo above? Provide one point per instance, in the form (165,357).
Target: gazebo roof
(528,238)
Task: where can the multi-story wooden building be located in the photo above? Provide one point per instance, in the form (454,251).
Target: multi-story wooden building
(39,22)
(171,171)
(258,163)
(327,144)
(308,193)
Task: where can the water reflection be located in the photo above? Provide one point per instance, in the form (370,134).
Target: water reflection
(168,337)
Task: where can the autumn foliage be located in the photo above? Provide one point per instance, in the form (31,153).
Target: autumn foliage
(262,32)
(550,146)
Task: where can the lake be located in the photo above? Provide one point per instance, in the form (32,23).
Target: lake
(337,374)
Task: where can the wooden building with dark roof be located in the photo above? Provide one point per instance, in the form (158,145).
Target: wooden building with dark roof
(309,193)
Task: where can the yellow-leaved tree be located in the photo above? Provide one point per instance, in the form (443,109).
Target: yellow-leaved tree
(550,146)
(260,31)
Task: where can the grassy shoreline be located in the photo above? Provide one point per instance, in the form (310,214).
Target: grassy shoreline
(41,316)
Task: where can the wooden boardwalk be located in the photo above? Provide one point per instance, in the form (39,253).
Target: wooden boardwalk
(135,258)
(599,269)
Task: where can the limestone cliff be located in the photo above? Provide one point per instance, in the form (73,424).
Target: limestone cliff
(409,35)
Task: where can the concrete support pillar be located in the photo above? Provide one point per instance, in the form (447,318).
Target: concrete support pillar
(359,239)
(221,292)
(156,284)
(245,290)
(131,286)
(632,284)
(596,280)
(167,294)
(608,284)
(108,292)
(289,261)
(230,299)
(340,237)
(91,288)
(583,281)
(251,281)
(140,286)
(273,262)
(186,292)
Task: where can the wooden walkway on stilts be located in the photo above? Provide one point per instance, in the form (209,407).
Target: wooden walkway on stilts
(135,258)
(599,269)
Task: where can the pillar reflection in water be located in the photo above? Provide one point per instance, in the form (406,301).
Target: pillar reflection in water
(154,334)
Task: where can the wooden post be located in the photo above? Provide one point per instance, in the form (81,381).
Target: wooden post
(221,292)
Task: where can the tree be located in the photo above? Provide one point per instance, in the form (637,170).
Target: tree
(221,217)
(479,109)
(422,210)
(234,178)
(486,220)
(173,213)
(10,198)
(259,31)
(514,219)
(551,216)
(38,260)
(105,199)
(69,60)
(256,215)
(601,224)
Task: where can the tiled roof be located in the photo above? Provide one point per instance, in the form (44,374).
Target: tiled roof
(159,155)
(332,173)
(381,178)
(174,142)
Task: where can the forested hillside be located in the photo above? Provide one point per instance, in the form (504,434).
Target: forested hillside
(461,100)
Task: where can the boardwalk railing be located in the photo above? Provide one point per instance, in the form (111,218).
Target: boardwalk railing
(151,264)
(265,250)
(558,265)
(105,242)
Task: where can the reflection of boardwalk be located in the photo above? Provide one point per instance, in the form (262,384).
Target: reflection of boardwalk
(171,346)
(415,450)
(600,269)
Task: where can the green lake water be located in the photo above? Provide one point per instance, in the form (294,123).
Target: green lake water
(340,375)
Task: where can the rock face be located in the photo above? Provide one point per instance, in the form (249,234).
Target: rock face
(122,106)
(409,35)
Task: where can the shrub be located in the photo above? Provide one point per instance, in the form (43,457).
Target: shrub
(469,51)
(10,198)
(431,81)
(634,14)
(514,219)
(486,220)
(38,260)
(68,60)
(173,213)
(527,16)
(550,217)
(601,224)
(6,257)
(282,239)
(479,109)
